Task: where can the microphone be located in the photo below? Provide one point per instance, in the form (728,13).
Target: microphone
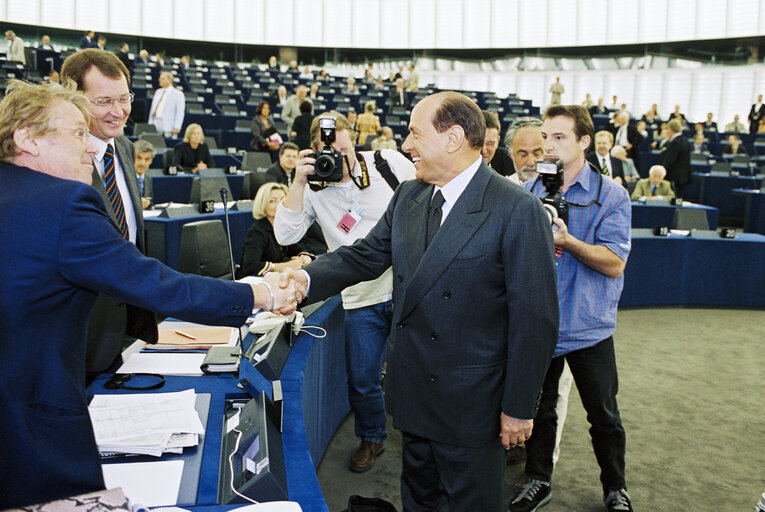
(224,197)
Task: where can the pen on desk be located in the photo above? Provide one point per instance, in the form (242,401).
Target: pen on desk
(185,334)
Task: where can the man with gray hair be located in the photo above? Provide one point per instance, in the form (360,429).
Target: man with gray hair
(15,48)
(524,139)
(168,106)
(292,108)
(653,187)
(144,155)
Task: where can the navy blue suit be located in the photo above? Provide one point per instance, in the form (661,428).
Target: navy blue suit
(475,317)
(60,250)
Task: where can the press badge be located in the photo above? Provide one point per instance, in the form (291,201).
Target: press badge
(348,222)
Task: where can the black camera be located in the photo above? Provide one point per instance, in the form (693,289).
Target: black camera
(329,162)
(552,179)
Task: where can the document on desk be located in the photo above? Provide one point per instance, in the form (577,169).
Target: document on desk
(164,364)
(148,424)
(152,484)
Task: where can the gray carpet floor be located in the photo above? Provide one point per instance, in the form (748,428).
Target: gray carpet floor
(692,400)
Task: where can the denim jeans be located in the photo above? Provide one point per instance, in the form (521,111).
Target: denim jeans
(366,334)
(594,371)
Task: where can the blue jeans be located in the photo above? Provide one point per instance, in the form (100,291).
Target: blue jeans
(366,334)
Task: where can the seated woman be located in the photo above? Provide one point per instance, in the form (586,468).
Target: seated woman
(261,252)
(264,136)
(192,154)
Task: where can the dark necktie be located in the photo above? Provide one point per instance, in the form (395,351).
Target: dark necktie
(653,190)
(113,191)
(434,217)
(140,185)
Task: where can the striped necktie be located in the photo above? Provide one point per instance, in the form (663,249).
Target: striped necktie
(113,192)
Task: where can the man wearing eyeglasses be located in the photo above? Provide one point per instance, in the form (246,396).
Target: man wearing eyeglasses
(105,81)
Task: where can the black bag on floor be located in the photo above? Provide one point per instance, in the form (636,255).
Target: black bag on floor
(362,504)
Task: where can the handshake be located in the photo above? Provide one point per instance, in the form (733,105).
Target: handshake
(281,292)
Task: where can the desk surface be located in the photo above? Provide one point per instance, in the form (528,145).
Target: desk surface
(754,219)
(647,215)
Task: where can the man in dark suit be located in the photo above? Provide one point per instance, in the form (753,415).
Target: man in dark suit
(756,113)
(677,158)
(105,82)
(283,170)
(123,54)
(88,40)
(495,156)
(600,158)
(626,136)
(60,249)
(734,146)
(462,381)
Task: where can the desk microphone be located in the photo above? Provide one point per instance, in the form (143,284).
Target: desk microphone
(224,198)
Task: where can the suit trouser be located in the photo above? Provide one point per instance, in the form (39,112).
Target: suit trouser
(595,375)
(434,474)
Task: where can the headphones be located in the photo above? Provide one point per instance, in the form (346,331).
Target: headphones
(118,380)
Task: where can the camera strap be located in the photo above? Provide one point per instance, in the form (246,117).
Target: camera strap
(364,178)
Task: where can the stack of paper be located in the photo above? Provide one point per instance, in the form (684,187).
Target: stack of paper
(182,336)
(147,424)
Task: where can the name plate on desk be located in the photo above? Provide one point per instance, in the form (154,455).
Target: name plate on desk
(178,211)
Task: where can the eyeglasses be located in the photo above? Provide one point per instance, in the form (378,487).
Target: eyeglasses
(80,133)
(125,99)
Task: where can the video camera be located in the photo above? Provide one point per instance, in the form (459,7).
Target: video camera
(329,162)
(552,179)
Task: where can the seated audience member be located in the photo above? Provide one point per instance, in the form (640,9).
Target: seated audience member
(588,103)
(293,67)
(261,253)
(144,155)
(653,187)
(367,124)
(192,154)
(495,156)
(398,95)
(601,160)
(301,127)
(642,129)
(313,92)
(599,109)
(45,43)
(683,121)
(51,273)
(699,145)
(379,84)
(351,87)
(709,124)
(264,135)
(185,63)
(651,117)
(306,74)
(368,76)
(660,138)
(352,119)
(385,140)
(142,59)
(734,146)
(736,126)
(283,170)
(323,76)
(675,113)
(279,97)
(273,63)
(628,166)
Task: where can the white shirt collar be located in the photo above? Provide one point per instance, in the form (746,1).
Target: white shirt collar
(453,189)
(101,145)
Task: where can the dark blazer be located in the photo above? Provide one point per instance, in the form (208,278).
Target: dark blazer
(88,43)
(258,129)
(502,163)
(728,150)
(677,161)
(302,126)
(617,169)
(112,320)
(124,57)
(276,174)
(60,249)
(754,117)
(185,158)
(260,247)
(476,316)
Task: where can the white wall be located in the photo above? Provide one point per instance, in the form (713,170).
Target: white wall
(724,91)
(403,23)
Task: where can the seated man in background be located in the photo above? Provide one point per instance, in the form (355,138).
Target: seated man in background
(736,126)
(734,146)
(144,156)
(385,140)
(192,154)
(167,106)
(602,161)
(699,144)
(628,166)
(653,187)
(283,170)
(51,274)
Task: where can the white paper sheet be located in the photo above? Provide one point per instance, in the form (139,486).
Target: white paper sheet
(151,484)
(164,364)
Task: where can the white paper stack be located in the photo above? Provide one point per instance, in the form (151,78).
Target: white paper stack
(146,424)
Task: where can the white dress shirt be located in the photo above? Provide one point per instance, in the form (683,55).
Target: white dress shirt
(454,188)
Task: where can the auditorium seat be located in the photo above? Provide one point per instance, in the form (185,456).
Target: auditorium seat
(141,128)
(690,218)
(204,250)
(255,160)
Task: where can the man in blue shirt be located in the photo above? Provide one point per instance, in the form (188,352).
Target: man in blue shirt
(591,249)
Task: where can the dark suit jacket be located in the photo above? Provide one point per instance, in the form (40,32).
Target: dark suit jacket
(260,247)
(124,57)
(85,43)
(59,250)
(185,158)
(276,174)
(677,161)
(617,169)
(728,150)
(754,117)
(475,320)
(502,163)
(113,320)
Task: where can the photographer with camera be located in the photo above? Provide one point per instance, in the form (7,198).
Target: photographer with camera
(347,193)
(590,216)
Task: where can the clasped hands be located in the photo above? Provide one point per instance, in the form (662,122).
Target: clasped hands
(287,289)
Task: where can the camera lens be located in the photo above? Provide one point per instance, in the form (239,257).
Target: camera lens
(325,166)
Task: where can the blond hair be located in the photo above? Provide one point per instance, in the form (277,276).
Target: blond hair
(189,129)
(260,203)
(341,123)
(28,105)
